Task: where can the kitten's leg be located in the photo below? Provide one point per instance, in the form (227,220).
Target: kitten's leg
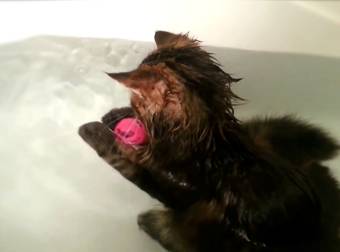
(172,182)
(101,139)
(194,230)
(162,226)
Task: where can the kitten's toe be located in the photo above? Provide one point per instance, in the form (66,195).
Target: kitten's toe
(86,131)
(145,221)
(154,222)
(161,226)
(89,130)
(98,136)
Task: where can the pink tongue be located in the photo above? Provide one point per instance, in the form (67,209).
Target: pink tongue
(131,131)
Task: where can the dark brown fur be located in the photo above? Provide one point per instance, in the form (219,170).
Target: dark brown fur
(226,186)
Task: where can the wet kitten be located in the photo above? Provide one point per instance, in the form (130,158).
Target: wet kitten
(225,185)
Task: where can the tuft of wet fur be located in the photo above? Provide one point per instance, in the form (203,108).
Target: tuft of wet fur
(226,185)
(293,139)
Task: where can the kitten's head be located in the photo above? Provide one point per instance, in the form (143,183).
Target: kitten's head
(179,86)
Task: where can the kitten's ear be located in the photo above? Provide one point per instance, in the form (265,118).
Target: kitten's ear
(119,76)
(162,38)
(123,77)
(138,78)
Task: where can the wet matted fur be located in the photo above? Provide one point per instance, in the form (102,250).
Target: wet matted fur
(225,185)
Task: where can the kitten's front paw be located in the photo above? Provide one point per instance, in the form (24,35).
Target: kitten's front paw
(115,115)
(99,137)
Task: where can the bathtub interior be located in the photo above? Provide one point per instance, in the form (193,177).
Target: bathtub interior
(56,194)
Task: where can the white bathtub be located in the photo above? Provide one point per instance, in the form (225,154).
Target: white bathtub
(55,193)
